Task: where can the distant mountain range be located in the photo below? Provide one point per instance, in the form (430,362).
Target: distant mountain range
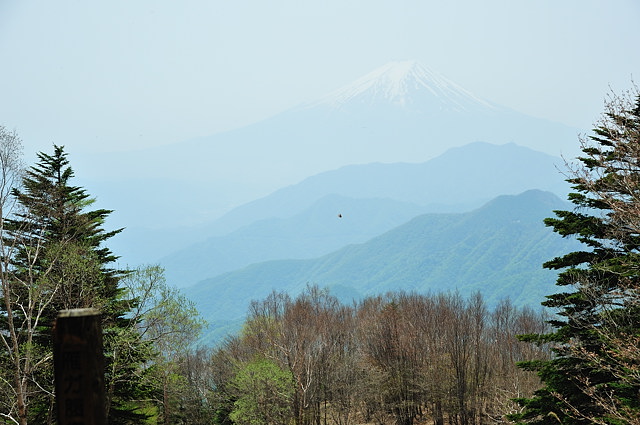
(459,179)
(497,249)
(301,221)
(330,223)
(400,113)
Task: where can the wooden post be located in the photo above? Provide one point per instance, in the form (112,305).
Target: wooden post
(79,367)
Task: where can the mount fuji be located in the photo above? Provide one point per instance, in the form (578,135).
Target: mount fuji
(406,85)
(400,112)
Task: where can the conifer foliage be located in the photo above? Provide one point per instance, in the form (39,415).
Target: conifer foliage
(54,229)
(54,258)
(595,374)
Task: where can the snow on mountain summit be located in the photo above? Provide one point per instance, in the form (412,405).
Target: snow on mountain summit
(405,84)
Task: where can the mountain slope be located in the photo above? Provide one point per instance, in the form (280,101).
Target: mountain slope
(497,249)
(300,221)
(419,117)
(457,180)
(329,224)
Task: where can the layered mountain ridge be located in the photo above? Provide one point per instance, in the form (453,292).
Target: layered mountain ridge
(300,221)
(497,249)
(400,113)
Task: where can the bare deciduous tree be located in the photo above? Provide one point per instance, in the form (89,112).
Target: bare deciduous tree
(28,378)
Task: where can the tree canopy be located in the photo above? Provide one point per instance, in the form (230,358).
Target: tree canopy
(594,376)
(55,257)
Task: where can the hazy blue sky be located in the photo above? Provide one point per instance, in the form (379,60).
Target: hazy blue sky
(127,74)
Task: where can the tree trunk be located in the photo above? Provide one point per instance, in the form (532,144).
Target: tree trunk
(438,418)
(165,399)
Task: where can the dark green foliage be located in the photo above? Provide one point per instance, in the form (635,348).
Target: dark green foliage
(60,258)
(592,378)
(54,229)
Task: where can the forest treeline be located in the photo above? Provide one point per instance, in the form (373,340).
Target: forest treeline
(400,358)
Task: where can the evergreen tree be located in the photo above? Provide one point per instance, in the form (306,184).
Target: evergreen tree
(60,261)
(594,376)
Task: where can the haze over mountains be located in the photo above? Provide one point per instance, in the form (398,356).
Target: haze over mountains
(168,197)
(301,221)
(377,186)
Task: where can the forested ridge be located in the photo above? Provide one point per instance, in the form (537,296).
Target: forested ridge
(396,358)
(497,249)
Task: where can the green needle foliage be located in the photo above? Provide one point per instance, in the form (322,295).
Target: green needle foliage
(595,374)
(54,258)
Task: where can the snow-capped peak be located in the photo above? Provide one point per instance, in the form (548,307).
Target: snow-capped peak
(404,83)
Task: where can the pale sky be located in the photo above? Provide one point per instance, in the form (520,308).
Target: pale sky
(121,75)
